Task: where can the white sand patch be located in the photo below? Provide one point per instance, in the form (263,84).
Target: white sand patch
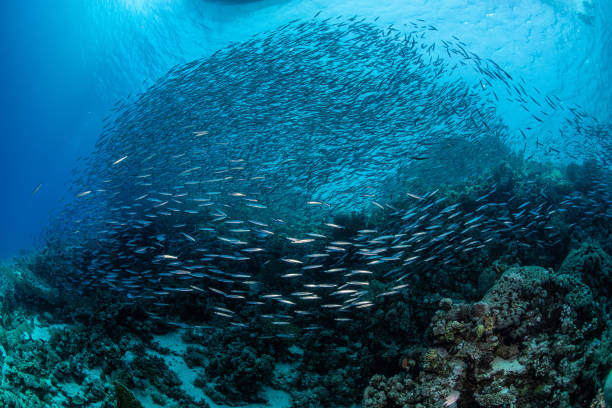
(187,375)
(275,398)
(173,342)
(176,363)
(507,366)
(40,332)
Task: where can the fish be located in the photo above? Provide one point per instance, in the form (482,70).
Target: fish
(416,197)
(313,184)
(451,398)
(36,189)
(119,160)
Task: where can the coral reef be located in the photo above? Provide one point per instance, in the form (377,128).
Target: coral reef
(481,329)
(71,355)
(538,338)
(240,372)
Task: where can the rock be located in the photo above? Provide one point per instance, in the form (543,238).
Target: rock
(125,399)
(532,341)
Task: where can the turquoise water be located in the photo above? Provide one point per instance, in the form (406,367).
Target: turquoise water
(301,204)
(67,64)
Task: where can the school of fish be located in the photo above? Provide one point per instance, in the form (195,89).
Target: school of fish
(226,178)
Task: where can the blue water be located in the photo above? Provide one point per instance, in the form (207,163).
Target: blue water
(65,64)
(260,239)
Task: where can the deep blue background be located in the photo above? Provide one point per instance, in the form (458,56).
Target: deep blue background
(46,114)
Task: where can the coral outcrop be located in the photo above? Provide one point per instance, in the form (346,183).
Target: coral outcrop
(538,338)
